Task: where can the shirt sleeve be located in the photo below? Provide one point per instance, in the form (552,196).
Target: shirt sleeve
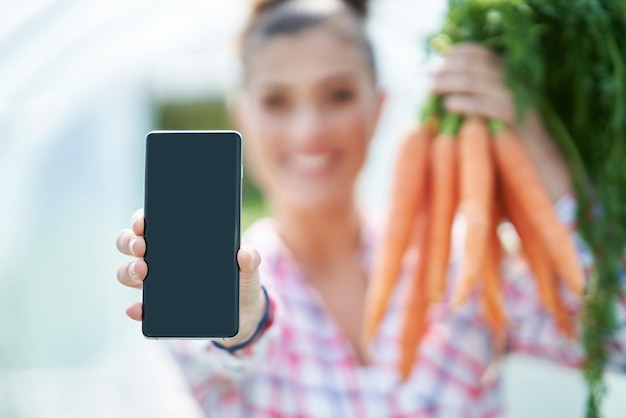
(209,369)
(533,331)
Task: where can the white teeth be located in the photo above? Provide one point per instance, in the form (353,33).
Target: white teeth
(311,162)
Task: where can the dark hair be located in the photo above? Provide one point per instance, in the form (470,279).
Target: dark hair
(259,6)
(271,18)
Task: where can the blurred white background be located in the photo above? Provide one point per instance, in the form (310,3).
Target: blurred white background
(78,85)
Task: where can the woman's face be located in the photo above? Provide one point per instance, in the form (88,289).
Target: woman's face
(307,116)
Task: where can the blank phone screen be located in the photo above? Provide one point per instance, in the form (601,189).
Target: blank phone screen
(192,230)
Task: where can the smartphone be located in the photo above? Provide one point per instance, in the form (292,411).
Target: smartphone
(192,214)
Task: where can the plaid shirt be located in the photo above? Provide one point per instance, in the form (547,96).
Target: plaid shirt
(303,366)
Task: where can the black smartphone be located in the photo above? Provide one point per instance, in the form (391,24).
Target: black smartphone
(192,214)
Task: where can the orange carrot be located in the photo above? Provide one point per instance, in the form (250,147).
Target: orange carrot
(492,304)
(415,306)
(564,321)
(519,176)
(443,205)
(534,252)
(492,297)
(406,195)
(541,266)
(476,195)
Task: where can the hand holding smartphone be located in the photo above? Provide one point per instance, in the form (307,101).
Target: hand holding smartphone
(192,286)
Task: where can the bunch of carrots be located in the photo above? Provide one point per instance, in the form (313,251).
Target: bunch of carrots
(565,59)
(480,170)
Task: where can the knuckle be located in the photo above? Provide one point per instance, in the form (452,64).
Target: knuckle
(121,273)
(127,275)
(123,240)
(119,240)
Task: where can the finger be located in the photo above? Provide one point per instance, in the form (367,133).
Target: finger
(137,222)
(135,311)
(137,246)
(475,51)
(130,244)
(469,64)
(473,65)
(249,261)
(132,274)
(485,106)
(123,240)
(468,82)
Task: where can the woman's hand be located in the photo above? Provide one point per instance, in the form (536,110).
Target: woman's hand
(470,78)
(251,297)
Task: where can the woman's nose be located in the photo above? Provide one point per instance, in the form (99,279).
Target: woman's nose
(307,124)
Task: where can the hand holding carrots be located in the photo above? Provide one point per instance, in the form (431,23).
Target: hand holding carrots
(470,79)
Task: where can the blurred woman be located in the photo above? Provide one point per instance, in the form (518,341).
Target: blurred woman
(308,109)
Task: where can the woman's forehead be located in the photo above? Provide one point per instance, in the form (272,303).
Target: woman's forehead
(311,55)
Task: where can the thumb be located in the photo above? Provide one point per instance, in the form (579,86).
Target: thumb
(249,260)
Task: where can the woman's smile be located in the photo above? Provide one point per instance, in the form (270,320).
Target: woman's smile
(312,164)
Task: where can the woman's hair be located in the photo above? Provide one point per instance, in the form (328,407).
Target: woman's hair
(258,6)
(271,18)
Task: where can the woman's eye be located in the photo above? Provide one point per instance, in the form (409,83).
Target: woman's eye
(275,102)
(340,96)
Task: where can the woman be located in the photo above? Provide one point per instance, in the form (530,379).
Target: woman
(308,109)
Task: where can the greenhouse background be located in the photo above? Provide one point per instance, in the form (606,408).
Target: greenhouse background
(81,83)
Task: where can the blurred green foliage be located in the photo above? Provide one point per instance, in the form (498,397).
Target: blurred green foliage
(210,114)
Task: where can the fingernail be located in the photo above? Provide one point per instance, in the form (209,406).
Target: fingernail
(131,244)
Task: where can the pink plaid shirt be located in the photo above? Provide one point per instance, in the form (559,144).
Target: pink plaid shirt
(303,366)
